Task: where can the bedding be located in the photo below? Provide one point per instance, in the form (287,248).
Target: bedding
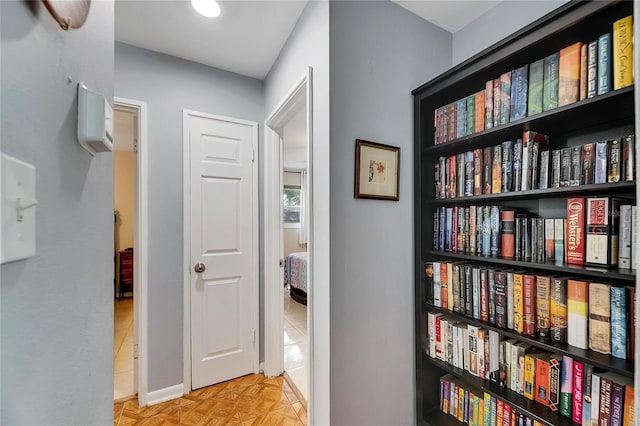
(295,274)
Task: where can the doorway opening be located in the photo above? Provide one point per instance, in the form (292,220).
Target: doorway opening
(130,250)
(288,242)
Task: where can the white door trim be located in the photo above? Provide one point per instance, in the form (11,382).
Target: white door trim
(140,265)
(186,197)
(273,230)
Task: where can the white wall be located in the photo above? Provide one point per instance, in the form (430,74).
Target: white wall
(379,53)
(498,23)
(308,45)
(57,307)
(168,85)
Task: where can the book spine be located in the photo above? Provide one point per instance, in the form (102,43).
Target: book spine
(631,322)
(461,118)
(480,113)
(558,315)
(535,154)
(600,175)
(617,400)
(541,392)
(491,288)
(555,379)
(487,410)
(473,349)
(624,250)
(476,292)
(549,239)
(586,394)
(505,97)
(472,229)
(529,314)
(519,86)
(628,158)
(595,399)
(605,401)
(615,163)
(500,281)
(565,167)
(566,387)
(629,412)
(471,114)
(510,285)
(460,161)
(592,69)
(578,377)
(544,170)
(517,165)
(550,85)
(468,295)
(484,295)
(543,305)
(508,233)
(556,156)
(496,170)
(488,110)
(518,237)
(451,127)
(487,164)
(604,63)
(454,229)
(588,162)
(584,64)
(477,171)
(619,322)
(569,74)
(577,313)
(444,286)
(495,230)
(529,374)
(518,302)
(497,91)
(536,83)
(468,173)
(481,349)
(486,230)
(575,231)
(450,296)
(527,152)
(623,52)
(507,166)
(598,232)
(558,235)
(576,166)
(526,239)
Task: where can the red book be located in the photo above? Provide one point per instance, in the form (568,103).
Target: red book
(542,376)
(529,307)
(578,379)
(479,110)
(606,386)
(500,413)
(575,231)
(506,421)
(508,225)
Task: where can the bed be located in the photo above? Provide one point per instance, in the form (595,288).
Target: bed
(295,274)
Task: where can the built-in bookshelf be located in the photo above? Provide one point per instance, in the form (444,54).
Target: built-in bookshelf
(587,120)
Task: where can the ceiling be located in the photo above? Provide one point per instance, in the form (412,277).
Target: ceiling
(248,35)
(452,15)
(245,39)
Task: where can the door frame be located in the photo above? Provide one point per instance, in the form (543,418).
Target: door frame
(140,260)
(186,214)
(273,230)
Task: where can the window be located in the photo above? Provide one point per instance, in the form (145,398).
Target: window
(291,205)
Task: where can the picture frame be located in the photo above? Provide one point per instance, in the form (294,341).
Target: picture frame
(377,171)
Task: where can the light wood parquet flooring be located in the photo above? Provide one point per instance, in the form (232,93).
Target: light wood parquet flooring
(248,400)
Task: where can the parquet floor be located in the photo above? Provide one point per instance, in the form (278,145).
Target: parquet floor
(248,400)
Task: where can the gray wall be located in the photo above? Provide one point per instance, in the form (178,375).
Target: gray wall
(308,45)
(57,307)
(496,24)
(379,53)
(168,85)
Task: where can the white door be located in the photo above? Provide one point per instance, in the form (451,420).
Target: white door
(224,241)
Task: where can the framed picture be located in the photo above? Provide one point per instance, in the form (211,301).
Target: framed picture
(377,171)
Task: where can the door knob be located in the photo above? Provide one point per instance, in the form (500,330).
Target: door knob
(199,267)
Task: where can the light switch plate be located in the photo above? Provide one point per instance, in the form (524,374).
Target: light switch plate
(18,188)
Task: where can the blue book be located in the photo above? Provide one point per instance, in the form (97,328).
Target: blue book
(495,230)
(619,322)
(487,409)
(461,115)
(468,173)
(604,63)
(617,401)
(448,229)
(494,411)
(519,87)
(486,231)
(466,406)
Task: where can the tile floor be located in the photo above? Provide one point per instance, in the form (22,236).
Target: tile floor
(296,343)
(123,349)
(248,400)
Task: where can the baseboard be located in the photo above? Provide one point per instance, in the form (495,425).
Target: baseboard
(166,394)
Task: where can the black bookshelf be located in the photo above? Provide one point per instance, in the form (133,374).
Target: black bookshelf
(567,191)
(608,362)
(590,120)
(524,405)
(626,276)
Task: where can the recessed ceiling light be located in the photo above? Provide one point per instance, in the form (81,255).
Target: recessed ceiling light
(208,8)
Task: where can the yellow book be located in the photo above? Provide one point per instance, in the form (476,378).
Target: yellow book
(450,286)
(461,404)
(480,412)
(623,53)
(529,375)
(518,303)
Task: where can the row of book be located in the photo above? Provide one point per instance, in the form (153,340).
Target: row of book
(525,164)
(584,393)
(597,231)
(583,314)
(579,71)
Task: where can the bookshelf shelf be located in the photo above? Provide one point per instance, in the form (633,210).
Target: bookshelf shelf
(627,276)
(611,107)
(567,191)
(600,118)
(531,408)
(608,362)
